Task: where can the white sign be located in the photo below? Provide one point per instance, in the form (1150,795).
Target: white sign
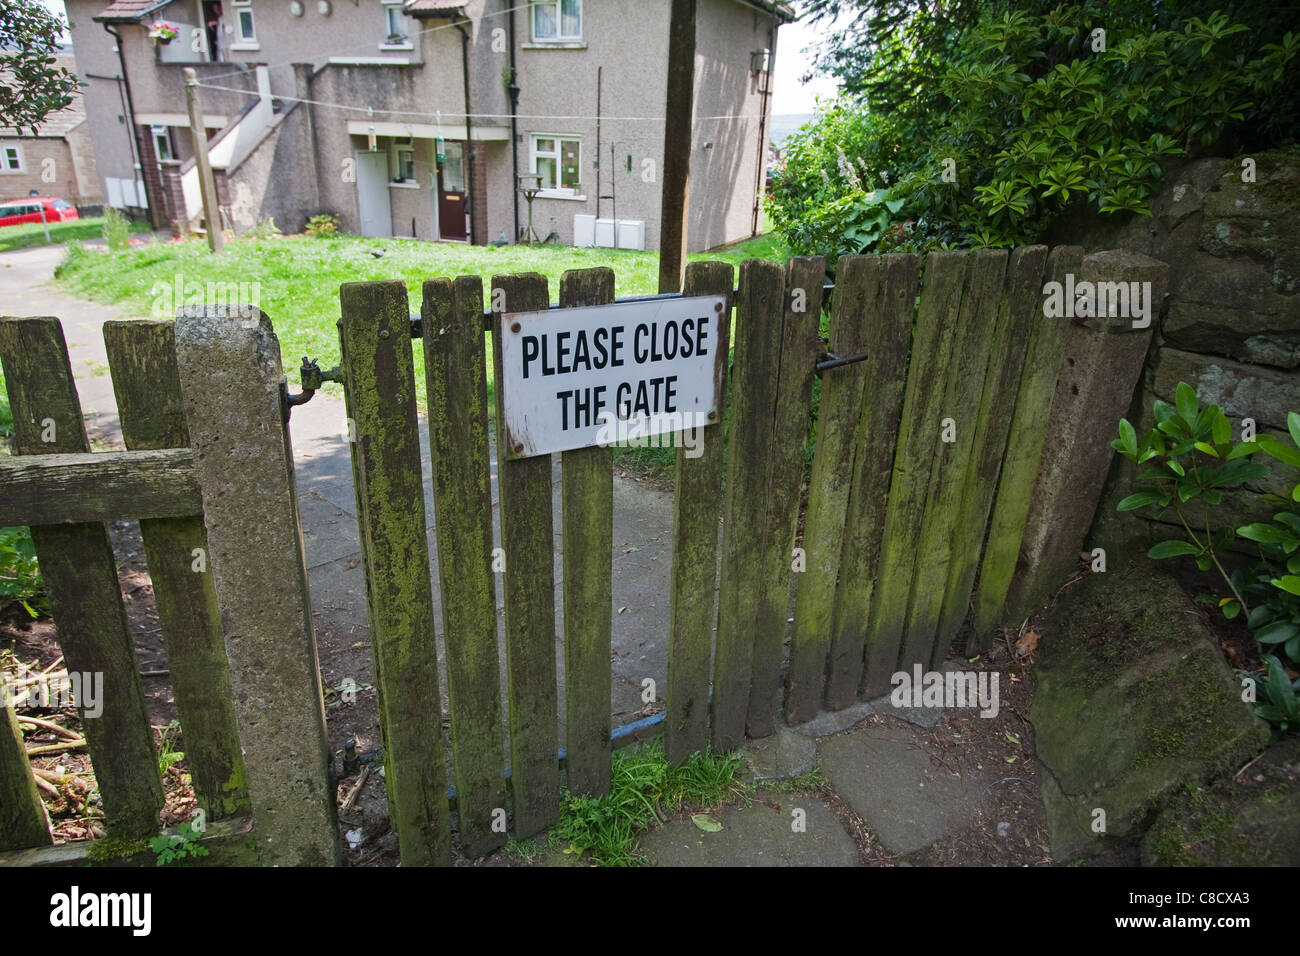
(608,374)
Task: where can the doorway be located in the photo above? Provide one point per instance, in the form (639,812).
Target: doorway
(373,204)
(213,27)
(451,192)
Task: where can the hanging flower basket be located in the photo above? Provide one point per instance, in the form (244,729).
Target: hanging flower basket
(162,32)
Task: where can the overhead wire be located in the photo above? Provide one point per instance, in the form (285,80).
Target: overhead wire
(432,114)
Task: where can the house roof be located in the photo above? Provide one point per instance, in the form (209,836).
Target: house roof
(129,11)
(434,8)
(58,124)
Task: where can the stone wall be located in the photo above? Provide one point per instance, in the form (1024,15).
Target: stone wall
(1231,324)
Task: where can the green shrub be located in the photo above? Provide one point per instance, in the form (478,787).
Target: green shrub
(1280,705)
(322,225)
(1187,461)
(20,575)
(264,228)
(117,230)
(1005,125)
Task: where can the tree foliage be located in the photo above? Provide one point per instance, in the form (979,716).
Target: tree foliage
(985,121)
(31,84)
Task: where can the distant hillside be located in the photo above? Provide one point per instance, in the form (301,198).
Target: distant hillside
(786,123)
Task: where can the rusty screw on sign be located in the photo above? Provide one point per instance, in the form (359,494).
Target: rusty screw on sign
(514,326)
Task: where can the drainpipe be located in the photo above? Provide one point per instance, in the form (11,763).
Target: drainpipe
(469,130)
(765,95)
(138,158)
(514,123)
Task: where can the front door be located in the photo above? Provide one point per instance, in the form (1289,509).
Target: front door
(372,194)
(451,192)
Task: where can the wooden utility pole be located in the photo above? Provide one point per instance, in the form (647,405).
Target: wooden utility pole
(679,109)
(208,187)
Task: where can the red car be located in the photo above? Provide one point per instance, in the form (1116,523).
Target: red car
(17,211)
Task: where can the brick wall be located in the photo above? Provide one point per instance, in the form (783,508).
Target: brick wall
(47,168)
(159,213)
(171,195)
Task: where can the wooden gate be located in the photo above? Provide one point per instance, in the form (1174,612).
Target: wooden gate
(909,456)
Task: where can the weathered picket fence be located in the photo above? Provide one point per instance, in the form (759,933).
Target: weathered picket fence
(924,466)
(66,494)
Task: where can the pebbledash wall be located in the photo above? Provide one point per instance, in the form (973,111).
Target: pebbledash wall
(1230,231)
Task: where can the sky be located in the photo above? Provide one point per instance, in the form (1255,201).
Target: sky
(794,60)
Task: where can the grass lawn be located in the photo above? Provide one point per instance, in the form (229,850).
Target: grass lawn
(33,234)
(298,277)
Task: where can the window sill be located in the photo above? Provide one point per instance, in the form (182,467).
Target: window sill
(403,185)
(560,194)
(397,46)
(554,45)
(245,47)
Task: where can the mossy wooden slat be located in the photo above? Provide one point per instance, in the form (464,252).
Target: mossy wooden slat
(962,388)
(1021,309)
(527,538)
(381,378)
(142,360)
(858,302)
(587,513)
(784,461)
(362,530)
(22,815)
(697,499)
(887,334)
(1020,464)
(760,310)
(455,365)
(95,487)
(914,463)
(80,575)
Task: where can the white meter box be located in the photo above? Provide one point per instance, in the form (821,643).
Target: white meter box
(609,374)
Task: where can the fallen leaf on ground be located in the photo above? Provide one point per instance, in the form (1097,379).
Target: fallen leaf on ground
(1027,644)
(706,822)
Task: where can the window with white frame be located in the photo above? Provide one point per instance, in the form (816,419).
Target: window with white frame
(162,142)
(245,31)
(395,25)
(555,20)
(403,161)
(11,160)
(557,162)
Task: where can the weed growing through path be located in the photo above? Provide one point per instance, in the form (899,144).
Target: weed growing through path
(643,789)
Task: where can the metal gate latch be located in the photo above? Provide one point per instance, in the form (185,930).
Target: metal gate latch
(312,377)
